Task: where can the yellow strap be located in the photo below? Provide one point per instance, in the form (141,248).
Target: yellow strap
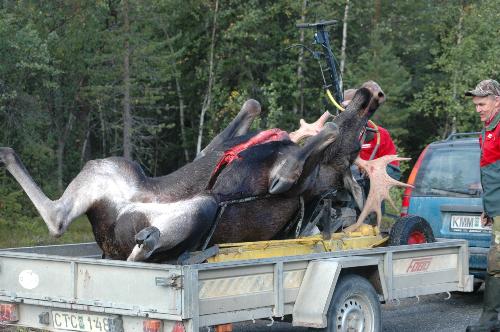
(334,102)
(376,130)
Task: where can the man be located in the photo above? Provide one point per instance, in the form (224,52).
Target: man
(486,97)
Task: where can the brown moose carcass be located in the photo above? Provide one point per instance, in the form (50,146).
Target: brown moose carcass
(143,218)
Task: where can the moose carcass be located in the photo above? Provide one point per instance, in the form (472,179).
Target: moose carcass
(139,218)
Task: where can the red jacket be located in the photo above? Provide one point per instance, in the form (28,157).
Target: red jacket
(490,166)
(490,148)
(386,146)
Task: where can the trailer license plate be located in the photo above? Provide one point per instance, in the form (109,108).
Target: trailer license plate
(74,321)
(468,224)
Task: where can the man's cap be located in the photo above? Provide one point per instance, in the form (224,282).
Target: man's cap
(485,88)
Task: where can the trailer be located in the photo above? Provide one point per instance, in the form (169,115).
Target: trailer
(69,287)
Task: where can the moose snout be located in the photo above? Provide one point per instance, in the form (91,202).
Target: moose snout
(381,97)
(376,91)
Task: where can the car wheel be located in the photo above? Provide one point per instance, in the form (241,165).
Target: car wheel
(411,230)
(354,306)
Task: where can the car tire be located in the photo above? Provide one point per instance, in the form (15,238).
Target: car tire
(354,306)
(411,230)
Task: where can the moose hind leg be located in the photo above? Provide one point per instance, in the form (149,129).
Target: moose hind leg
(237,127)
(111,180)
(58,214)
(45,206)
(182,223)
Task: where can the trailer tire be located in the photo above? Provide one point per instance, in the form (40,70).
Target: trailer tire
(355,303)
(410,230)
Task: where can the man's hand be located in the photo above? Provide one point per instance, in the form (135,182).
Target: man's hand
(485,220)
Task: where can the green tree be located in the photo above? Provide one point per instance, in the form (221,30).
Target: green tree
(464,56)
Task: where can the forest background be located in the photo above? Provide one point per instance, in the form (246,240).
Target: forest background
(155,80)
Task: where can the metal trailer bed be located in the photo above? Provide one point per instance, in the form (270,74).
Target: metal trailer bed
(64,286)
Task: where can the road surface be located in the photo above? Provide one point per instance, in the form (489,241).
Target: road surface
(431,313)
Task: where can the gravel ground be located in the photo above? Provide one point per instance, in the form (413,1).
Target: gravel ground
(432,313)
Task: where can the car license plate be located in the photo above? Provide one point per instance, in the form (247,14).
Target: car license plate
(75,321)
(469,224)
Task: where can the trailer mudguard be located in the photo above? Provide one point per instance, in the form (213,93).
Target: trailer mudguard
(317,287)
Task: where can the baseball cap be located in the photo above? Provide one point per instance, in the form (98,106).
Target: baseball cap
(485,88)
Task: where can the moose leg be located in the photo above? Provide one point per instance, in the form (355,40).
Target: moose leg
(91,184)
(239,126)
(300,163)
(171,224)
(43,204)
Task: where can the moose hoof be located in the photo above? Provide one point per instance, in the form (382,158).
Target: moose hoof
(148,238)
(252,107)
(280,185)
(7,156)
(285,176)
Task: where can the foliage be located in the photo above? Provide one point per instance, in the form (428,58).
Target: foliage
(464,55)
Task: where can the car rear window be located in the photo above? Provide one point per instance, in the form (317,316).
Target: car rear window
(451,171)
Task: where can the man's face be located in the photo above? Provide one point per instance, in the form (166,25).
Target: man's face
(487,106)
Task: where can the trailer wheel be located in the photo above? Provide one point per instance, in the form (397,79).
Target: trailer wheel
(354,306)
(411,230)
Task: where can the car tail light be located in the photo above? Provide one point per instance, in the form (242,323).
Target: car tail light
(151,325)
(405,202)
(411,180)
(179,327)
(9,312)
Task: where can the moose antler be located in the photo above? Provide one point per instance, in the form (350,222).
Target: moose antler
(309,129)
(380,184)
